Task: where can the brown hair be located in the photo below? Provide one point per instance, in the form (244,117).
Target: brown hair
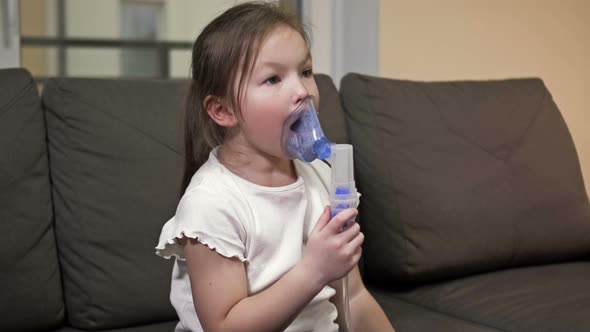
(223,53)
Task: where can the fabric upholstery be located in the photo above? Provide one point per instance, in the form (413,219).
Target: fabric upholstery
(330,111)
(552,297)
(116,163)
(30,286)
(463,177)
(156,327)
(410,317)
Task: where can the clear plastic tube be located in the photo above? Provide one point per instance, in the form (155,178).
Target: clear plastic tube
(346,308)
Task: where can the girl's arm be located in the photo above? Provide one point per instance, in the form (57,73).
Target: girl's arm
(365,312)
(221,299)
(219,284)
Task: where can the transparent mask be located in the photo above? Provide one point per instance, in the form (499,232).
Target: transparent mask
(302,136)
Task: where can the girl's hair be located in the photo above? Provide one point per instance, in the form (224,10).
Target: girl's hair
(223,55)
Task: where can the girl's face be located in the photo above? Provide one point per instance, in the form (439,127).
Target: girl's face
(281,77)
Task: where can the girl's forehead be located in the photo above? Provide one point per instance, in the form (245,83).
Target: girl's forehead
(282,43)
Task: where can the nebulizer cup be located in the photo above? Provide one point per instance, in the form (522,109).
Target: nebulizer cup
(342,191)
(302,136)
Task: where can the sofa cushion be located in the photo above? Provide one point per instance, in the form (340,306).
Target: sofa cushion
(411,317)
(554,297)
(30,285)
(463,177)
(116,165)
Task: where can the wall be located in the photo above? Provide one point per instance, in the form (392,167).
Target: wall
(478,39)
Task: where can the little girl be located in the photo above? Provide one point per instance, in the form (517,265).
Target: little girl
(256,247)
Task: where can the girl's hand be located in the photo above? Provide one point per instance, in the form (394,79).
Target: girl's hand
(330,253)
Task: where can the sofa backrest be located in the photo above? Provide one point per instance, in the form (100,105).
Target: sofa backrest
(456,177)
(115,161)
(30,283)
(330,110)
(463,177)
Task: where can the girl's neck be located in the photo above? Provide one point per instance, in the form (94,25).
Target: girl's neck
(256,167)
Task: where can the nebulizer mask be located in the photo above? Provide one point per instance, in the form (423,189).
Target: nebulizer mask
(303,139)
(302,136)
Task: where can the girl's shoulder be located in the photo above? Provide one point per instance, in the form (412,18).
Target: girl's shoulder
(212,177)
(209,185)
(210,211)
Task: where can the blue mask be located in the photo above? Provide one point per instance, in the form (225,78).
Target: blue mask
(302,136)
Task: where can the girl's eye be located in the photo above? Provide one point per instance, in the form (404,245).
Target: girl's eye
(272,80)
(307,73)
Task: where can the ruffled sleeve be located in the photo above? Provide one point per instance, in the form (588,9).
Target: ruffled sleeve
(211,219)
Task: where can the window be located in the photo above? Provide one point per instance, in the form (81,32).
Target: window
(141,21)
(115,38)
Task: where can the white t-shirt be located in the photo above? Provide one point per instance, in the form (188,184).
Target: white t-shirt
(264,227)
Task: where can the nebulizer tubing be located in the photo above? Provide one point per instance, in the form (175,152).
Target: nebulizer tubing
(347,327)
(302,138)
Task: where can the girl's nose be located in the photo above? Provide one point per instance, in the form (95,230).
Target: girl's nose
(300,91)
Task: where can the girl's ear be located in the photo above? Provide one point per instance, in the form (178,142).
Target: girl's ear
(219,112)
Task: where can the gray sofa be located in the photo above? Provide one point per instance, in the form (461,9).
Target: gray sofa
(474,209)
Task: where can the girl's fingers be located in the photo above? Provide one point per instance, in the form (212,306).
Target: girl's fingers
(339,220)
(350,232)
(356,242)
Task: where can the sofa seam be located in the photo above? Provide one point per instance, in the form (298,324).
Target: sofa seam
(506,162)
(471,142)
(85,315)
(5,109)
(11,177)
(125,123)
(516,243)
(534,118)
(451,130)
